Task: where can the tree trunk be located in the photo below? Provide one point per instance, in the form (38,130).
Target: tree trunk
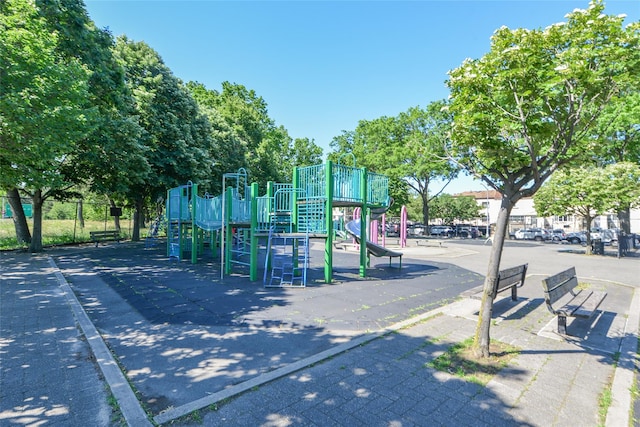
(19,219)
(425,208)
(36,239)
(116,218)
(482,337)
(80,214)
(137,219)
(624,216)
(587,249)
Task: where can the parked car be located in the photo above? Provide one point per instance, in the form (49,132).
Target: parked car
(578,237)
(606,235)
(466,231)
(539,234)
(441,231)
(558,235)
(417,230)
(393,230)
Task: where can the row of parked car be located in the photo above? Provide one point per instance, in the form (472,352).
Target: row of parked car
(464,231)
(559,235)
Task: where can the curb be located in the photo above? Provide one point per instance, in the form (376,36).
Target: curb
(120,387)
(621,402)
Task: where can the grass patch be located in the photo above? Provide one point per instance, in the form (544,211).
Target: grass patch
(459,360)
(604,400)
(61,232)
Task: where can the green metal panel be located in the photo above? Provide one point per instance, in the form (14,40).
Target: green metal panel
(194,231)
(296,197)
(228,236)
(253,259)
(328,247)
(363,225)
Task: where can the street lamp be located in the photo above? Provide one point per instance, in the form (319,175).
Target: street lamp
(487,189)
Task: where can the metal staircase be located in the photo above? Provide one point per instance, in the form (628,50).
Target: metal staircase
(287,257)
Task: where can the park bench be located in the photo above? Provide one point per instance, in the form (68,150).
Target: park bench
(565,300)
(99,236)
(511,278)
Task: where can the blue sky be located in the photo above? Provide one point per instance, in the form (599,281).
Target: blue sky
(322,66)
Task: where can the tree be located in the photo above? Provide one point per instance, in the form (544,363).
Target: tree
(619,129)
(409,148)
(529,106)
(305,152)
(449,208)
(578,191)
(622,182)
(43,109)
(177,136)
(253,141)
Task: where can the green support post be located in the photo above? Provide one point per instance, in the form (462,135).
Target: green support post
(363,223)
(294,209)
(167,215)
(294,215)
(228,231)
(271,208)
(194,231)
(328,247)
(253,258)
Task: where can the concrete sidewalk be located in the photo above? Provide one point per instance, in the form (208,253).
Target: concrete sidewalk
(318,356)
(48,373)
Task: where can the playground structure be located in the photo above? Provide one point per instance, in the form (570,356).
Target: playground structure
(285,218)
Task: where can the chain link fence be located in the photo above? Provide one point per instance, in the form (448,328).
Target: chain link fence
(67,222)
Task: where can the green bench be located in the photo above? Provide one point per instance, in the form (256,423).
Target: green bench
(100,236)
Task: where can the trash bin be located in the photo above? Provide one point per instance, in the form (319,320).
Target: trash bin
(597,247)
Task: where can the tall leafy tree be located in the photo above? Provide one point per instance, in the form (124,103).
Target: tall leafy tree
(529,106)
(409,148)
(177,136)
(305,152)
(229,150)
(623,190)
(109,158)
(450,209)
(252,139)
(578,191)
(619,128)
(43,109)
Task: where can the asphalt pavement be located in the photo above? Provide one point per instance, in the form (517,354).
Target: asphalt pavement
(120,335)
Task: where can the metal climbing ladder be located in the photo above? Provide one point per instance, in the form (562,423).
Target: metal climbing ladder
(288,257)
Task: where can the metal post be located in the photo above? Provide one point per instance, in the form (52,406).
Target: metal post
(328,247)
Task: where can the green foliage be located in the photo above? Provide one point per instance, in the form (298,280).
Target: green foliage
(43,108)
(622,182)
(450,209)
(177,136)
(531,103)
(408,148)
(245,135)
(589,191)
(305,153)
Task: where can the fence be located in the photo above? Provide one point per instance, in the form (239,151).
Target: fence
(68,222)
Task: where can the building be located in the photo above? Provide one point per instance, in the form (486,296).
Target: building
(523,215)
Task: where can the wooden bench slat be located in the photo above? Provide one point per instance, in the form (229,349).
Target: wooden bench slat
(570,307)
(590,305)
(98,236)
(513,278)
(561,286)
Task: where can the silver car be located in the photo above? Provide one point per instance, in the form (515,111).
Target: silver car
(539,234)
